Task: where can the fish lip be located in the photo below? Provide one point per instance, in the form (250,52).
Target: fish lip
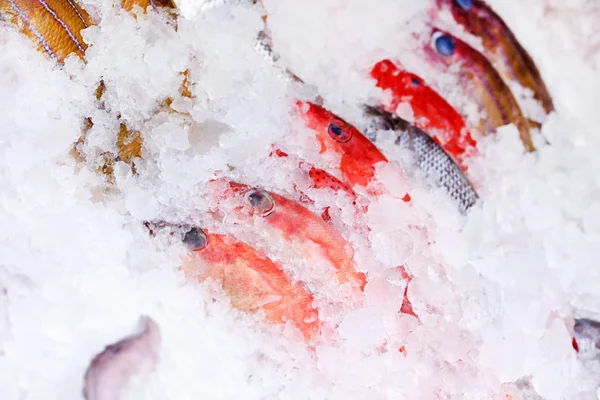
(183,230)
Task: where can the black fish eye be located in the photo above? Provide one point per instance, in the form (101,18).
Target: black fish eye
(195,239)
(261,201)
(336,130)
(445,45)
(415,81)
(339,131)
(464,4)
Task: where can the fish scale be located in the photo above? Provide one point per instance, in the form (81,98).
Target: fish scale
(436,163)
(429,156)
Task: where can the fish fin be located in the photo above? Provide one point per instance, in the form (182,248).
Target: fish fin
(534,124)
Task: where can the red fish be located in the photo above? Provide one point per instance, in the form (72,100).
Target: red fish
(296,224)
(432,113)
(251,280)
(358,155)
(481,83)
(501,46)
(321,179)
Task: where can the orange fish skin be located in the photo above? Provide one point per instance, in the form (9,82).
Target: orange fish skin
(297,224)
(358,154)
(155,4)
(253,282)
(480,82)
(502,48)
(55,25)
(433,114)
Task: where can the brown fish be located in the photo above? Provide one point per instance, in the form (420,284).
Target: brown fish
(501,46)
(480,83)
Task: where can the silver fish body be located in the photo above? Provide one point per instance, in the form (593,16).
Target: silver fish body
(429,156)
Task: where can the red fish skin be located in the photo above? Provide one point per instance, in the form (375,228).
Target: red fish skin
(358,155)
(321,179)
(502,48)
(482,83)
(253,282)
(298,224)
(433,114)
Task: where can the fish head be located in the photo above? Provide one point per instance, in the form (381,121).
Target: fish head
(431,112)
(243,200)
(358,154)
(473,15)
(460,9)
(587,337)
(400,82)
(442,48)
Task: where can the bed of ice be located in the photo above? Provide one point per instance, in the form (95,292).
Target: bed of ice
(496,291)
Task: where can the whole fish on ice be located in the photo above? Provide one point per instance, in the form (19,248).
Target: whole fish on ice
(502,48)
(431,112)
(251,280)
(296,224)
(429,156)
(480,83)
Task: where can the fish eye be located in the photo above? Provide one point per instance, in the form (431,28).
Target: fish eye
(338,130)
(464,4)
(261,201)
(444,45)
(415,81)
(195,239)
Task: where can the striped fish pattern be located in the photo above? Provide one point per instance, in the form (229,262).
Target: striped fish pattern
(481,83)
(501,47)
(54,25)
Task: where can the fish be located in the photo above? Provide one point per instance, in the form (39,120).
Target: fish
(501,46)
(586,339)
(297,224)
(53,25)
(321,179)
(109,371)
(251,280)
(480,83)
(144,4)
(359,156)
(432,113)
(429,156)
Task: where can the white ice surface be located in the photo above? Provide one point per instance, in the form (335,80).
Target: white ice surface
(494,290)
